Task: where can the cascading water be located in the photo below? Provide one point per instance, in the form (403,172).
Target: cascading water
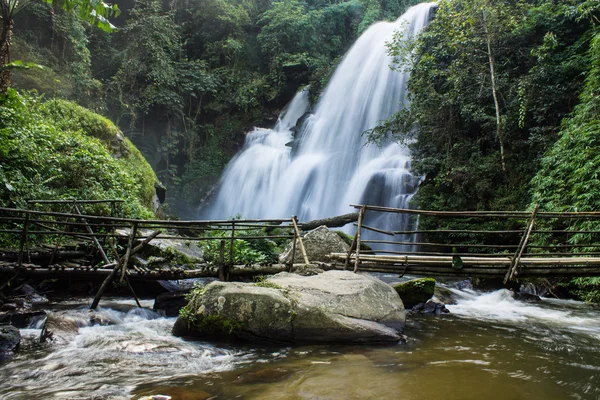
(329,166)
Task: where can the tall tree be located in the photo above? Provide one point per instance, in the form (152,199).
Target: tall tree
(95,12)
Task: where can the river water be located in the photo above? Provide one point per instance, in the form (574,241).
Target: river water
(489,347)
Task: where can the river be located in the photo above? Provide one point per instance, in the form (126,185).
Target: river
(489,347)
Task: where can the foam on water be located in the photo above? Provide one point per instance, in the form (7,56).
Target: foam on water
(500,306)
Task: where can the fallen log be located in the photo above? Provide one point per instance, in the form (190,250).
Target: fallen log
(333,222)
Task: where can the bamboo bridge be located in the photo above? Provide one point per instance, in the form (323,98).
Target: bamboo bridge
(506,244)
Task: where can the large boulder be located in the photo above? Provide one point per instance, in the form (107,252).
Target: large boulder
(318,243)
(10,338)
(334,306)
(165,253)
(415,291)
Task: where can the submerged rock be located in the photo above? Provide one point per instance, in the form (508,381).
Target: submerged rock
(334,306)
(526,297)
(415,291)
(444,295)
(319,243)
(10,338)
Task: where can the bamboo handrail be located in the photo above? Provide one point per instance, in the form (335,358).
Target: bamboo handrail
(75,201)
(489,214)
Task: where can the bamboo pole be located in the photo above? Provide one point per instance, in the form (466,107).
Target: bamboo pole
(96,242)
(73,200)
(232,243)
(104,286)
(515,263)
(221,272)
(370,228)
(361,216)
(23,239)
(352,248)
(137,301)
(297,232)
(293,250)
(128,251)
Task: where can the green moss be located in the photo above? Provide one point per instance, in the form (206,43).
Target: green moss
(213,325)
(268,285)
(69,116)
(415,291)
(59,150)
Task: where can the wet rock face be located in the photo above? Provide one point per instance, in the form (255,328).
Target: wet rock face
(319,243)
(10,338)
(170,303)
(415,291)
(334,306)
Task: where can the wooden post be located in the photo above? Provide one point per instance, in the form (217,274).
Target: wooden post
(352,248)
(23,240)
(361,216)
(297,233)
(221,272)
(129,248)
(137,301)
(293,249)
(104,286)
(521,248)
(231,244)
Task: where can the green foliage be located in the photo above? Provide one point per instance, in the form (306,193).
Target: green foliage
(260,280)
(451,125)
(46,155)
(245,252)
(568,177)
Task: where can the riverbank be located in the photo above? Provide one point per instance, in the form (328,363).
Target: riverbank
(490,345)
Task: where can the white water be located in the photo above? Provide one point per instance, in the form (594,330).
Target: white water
(499,306)
(546,349)
(330,166)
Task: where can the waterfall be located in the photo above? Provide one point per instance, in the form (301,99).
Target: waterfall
(328,166)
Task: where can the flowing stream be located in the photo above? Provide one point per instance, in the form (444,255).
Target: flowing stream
(489,347)
(327,166)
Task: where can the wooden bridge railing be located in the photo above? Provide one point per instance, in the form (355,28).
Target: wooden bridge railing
(104,233)
(530,245)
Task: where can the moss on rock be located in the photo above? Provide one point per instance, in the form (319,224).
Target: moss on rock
(415,291)
(59,150)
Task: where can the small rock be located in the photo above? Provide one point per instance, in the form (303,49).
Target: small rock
(436,307)
(526,297)
(10,338)
(465,285)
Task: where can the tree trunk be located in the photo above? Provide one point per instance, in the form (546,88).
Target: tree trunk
(332,222)
(494,91)
(5,41)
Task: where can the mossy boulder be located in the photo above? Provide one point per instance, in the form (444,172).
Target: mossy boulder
(415,291)
(334,306)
